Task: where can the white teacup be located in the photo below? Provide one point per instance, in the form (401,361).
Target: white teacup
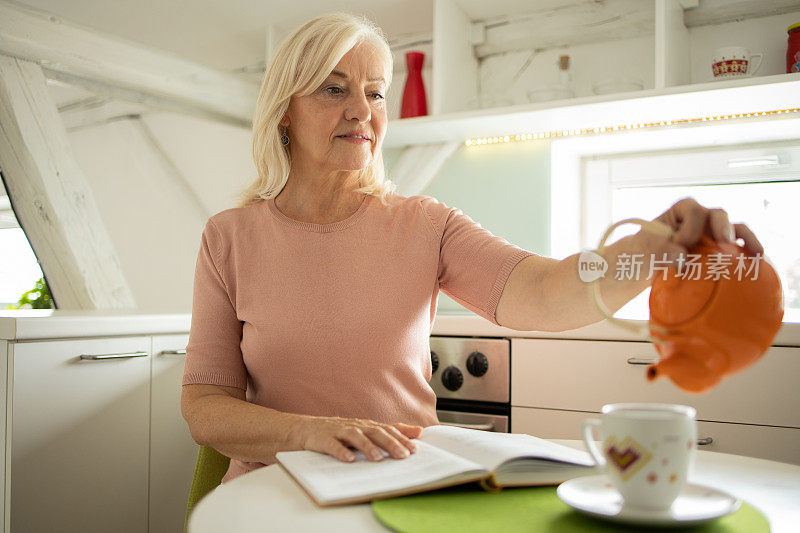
(734,61)
(647,450)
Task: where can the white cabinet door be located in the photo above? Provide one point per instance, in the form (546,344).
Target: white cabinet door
(584,375)
(765,442)
(172,451)
(80,435)
(548,423)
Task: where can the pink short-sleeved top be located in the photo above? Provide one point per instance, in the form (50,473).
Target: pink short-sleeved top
(335,319)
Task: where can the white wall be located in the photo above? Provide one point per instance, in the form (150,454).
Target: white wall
(155,201)
(766,35)
(589,64)
(152,215)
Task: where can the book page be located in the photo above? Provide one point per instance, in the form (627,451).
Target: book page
(493,449)
(330,479)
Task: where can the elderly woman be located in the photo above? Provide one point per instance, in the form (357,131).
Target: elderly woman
(314,299)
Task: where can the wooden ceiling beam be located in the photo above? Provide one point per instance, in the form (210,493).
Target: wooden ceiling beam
(124,69)
(51,197)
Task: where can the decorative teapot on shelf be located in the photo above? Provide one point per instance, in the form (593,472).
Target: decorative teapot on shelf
(711,324)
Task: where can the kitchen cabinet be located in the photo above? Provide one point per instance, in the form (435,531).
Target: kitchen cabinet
(767,442)
(5,489)
(100,445)
(496,53)
(172,451)
(78,434)
(556,382)
(94,444)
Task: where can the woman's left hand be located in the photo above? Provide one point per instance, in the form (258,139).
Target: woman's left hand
(689,220)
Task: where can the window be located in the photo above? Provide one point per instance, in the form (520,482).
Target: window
(757,184)
(19,269)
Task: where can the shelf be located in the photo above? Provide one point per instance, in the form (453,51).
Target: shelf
(743,95)
(488,53)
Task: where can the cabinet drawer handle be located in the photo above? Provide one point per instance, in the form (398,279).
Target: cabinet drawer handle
(705,441)
(642,360)
(174,352)
(115,356)
(482,427)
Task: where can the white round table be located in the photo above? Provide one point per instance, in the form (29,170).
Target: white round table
(267,499)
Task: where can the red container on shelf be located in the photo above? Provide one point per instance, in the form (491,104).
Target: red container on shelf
(414,102)
(793,49)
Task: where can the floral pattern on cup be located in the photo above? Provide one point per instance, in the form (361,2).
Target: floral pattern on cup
(730,67)
(733,61)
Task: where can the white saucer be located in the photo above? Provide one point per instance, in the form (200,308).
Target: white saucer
(696,504)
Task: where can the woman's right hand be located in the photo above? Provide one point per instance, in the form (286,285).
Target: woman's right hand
(334,436)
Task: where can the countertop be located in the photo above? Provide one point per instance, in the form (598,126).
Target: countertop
(38,324)
(26,325)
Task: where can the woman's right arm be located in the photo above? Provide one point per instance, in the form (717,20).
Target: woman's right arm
(221,418)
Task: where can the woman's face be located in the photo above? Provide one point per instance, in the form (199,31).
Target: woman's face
(340,126)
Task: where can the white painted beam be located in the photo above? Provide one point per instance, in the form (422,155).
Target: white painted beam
(455,68)
(566,24)
(672,45)
(418,165)
(98,110)
(722,11)
(51,197)
(125,69)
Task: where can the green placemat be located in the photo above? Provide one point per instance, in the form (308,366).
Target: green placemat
(466,508)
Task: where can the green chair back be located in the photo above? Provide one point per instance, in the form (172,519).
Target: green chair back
(209,470)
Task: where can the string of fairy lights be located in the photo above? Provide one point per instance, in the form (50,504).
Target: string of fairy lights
(533,136)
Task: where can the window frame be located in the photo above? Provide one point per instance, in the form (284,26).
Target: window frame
(575,219)
(577,224)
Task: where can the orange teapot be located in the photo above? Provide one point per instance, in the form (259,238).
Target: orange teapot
(712,316)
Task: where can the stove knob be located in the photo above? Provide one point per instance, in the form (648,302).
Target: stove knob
(452,378)
(434,362)
(477,364)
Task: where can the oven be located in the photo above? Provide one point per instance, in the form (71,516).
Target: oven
(471,378)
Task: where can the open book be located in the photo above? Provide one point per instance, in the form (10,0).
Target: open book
(446,455)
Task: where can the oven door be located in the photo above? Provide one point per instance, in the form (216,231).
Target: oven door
(484,422)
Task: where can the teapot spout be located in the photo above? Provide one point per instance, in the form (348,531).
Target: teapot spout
(691,374)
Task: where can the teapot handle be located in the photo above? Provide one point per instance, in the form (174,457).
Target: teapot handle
(652,226)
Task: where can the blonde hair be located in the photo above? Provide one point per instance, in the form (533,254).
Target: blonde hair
(302,62)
